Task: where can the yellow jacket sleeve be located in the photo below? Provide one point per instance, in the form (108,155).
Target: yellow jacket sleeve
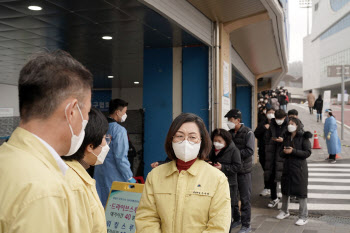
(46,214)
(147,219)
(220,209)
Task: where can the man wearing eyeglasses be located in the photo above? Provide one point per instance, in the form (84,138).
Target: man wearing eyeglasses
(116,166)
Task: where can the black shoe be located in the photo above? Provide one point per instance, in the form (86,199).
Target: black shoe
(235,224)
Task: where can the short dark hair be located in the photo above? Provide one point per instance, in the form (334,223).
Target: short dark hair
(280,113)
(175,126)
(47,80)
(117,104)
(269,109)
(293,112)
(222,133)
(95,129)
(310,91)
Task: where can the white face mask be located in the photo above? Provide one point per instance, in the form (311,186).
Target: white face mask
(76,141)
(259,105)
(231,125)
(261,100)
(218,145)
(123,118)
(279,122)
(264,111)
(270,116)
(291,128)
(185,151)
(101,157)
(265,101)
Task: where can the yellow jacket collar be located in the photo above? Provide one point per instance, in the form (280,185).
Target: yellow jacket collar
(26,141)
(80,170)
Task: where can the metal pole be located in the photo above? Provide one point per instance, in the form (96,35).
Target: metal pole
(342,101)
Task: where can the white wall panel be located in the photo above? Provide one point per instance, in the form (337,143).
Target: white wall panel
(9,98)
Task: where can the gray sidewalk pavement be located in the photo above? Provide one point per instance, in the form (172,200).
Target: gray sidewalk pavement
(311,124)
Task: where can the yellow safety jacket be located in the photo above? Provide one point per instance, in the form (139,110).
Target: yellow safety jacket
(86,197)
(196,200)
(34,195)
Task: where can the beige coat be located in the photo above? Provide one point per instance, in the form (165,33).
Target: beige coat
(311,100)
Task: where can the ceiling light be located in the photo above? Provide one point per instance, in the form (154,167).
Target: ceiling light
(136,82)
(35,8)
(107,37)
(110,76)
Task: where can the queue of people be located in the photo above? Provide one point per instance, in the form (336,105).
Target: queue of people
(283,147)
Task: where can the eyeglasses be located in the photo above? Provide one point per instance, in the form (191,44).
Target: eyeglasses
(108,138)
(192,139)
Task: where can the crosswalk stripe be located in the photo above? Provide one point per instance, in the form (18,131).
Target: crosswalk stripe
(312,174)
(328,196)
(326,180)
(314,206)
(327,165)
(326,187)
(329,170)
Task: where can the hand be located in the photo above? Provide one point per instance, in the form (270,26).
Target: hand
(288,150)
(267,126)
(218,165)
(279,139)
(329,136)
(210,162)
(132,180)
(155,164)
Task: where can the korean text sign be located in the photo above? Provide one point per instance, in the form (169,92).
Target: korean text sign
(121,207)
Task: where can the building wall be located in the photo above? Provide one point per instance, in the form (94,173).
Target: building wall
(9,98)
(131,95)
(195,74)
(327,45)
(325,16)
(157,102)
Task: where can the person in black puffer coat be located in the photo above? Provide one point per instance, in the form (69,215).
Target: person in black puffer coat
(226,157)
(243,137)
(259,133)
(294,181)
(273,148)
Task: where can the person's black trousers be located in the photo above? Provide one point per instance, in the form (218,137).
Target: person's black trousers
(244,190)
(234,197)
(273,186)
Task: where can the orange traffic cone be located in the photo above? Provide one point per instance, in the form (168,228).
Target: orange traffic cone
(316,143)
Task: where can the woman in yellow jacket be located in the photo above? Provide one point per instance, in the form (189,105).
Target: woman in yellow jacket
(92,152)
(186,195)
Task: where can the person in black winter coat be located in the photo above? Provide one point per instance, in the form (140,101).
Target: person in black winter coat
(259,133)
(273,148)
(226,157)
(294,181)
(318,106)
(262,114)
(243,137)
